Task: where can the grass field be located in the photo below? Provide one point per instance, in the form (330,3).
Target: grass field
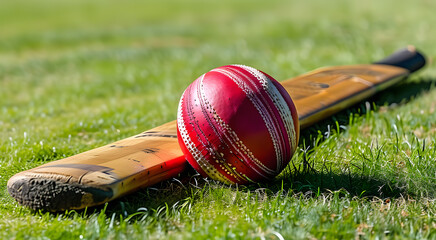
(75,75)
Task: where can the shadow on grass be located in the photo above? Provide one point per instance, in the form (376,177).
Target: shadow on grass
(313,184)
(308,181)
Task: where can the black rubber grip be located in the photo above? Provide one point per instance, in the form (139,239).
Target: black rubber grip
(408,58)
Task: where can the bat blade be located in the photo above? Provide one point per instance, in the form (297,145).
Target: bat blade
(106,173)
(326,91)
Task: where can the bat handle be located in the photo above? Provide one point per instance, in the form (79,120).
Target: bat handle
(408,58)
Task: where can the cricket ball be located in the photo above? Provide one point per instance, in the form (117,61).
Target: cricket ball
(238,125)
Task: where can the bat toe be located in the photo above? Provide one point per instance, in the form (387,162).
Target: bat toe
(54,195)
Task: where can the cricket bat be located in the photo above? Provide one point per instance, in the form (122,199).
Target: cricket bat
(106,173)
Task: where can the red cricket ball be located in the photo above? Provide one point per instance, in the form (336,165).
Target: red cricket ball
(237,124)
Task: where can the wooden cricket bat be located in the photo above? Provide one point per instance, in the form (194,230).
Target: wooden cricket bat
(106,173)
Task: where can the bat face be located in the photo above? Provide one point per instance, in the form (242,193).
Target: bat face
(108,172)
(325,91)
(102,174)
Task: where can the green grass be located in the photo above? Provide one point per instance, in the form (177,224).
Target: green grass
(75,75)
